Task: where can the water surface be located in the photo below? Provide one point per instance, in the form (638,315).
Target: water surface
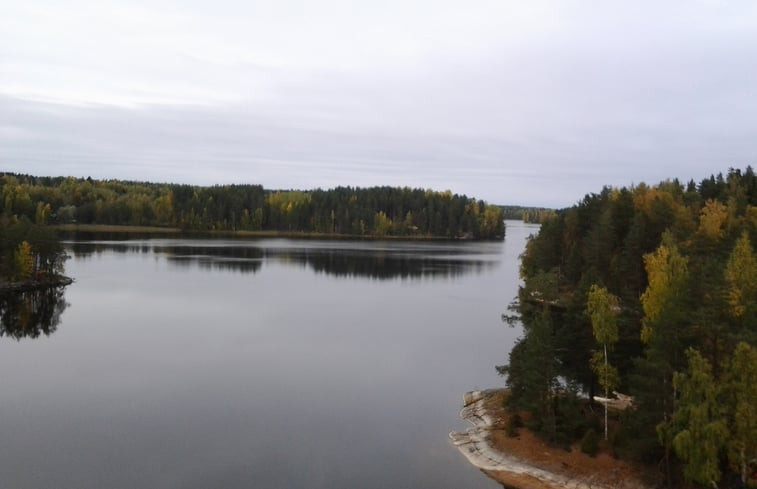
(179,363)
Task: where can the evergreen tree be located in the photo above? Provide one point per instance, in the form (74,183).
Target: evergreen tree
(739,400)
(700,430)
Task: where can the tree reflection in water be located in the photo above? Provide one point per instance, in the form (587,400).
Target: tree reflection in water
(379,261)
(31,314)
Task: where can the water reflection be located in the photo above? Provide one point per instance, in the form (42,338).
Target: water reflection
(345,259)
(85,249)
(31,314)
(238,259)
(171,375)
(384,265)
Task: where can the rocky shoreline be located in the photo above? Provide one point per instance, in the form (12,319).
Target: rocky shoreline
(484,445)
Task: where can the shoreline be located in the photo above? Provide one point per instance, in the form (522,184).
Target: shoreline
(116,229)
(526,462)
(35,284)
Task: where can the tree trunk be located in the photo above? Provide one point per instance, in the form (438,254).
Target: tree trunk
(607,394)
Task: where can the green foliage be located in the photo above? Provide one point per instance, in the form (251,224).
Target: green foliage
(739,400)
(24,261)
(678,273)
(741,278)
(28,250)
(514,422)
(667,273)
(571,416)
(701,429)
(538,215)
(533,386)
(590,443)
(341,211)
(42,214)
(607,375)
(490,224)
(603,308)
(381,224)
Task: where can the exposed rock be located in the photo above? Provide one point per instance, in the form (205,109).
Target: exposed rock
(477,445)
(622,402)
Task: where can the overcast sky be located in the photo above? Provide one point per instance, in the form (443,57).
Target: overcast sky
(516,102)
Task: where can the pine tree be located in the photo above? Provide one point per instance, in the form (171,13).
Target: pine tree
(698,421)
(665,307)
(740,401)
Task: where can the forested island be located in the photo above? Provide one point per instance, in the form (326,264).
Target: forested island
(31,278)
(342,211)
(650,291)
(31,256)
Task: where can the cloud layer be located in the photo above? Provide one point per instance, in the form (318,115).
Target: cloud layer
(515,102)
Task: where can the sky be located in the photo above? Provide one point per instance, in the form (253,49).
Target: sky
(516,102)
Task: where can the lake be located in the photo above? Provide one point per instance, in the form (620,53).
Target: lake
(273,363)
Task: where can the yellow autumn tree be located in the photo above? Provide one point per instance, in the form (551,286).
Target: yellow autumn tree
(667,275)
(24,261)
(42,213)
(381,224)
(712,219)
(741,277)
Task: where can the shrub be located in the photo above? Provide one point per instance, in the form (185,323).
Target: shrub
(590,442)
(513,423)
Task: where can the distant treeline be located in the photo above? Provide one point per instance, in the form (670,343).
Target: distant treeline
(650,290)
(535,215)
(376,211)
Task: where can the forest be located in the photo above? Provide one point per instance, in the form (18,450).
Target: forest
(534,215)
(345,211)
(650,291)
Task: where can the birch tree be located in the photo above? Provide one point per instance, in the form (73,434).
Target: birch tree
(603,308)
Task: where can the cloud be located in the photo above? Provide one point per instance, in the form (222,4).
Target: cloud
(534,103)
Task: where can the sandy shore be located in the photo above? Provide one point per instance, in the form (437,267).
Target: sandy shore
(526,462)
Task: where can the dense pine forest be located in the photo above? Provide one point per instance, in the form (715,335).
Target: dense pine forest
(377,211)
(650,291)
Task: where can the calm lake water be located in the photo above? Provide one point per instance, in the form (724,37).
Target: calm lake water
(175,363)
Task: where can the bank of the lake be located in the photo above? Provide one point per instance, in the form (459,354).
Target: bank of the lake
(100,229)
(525,461)
(34,284)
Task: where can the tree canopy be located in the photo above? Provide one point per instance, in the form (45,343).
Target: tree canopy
(378,211)
(667,275)
(28,252)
